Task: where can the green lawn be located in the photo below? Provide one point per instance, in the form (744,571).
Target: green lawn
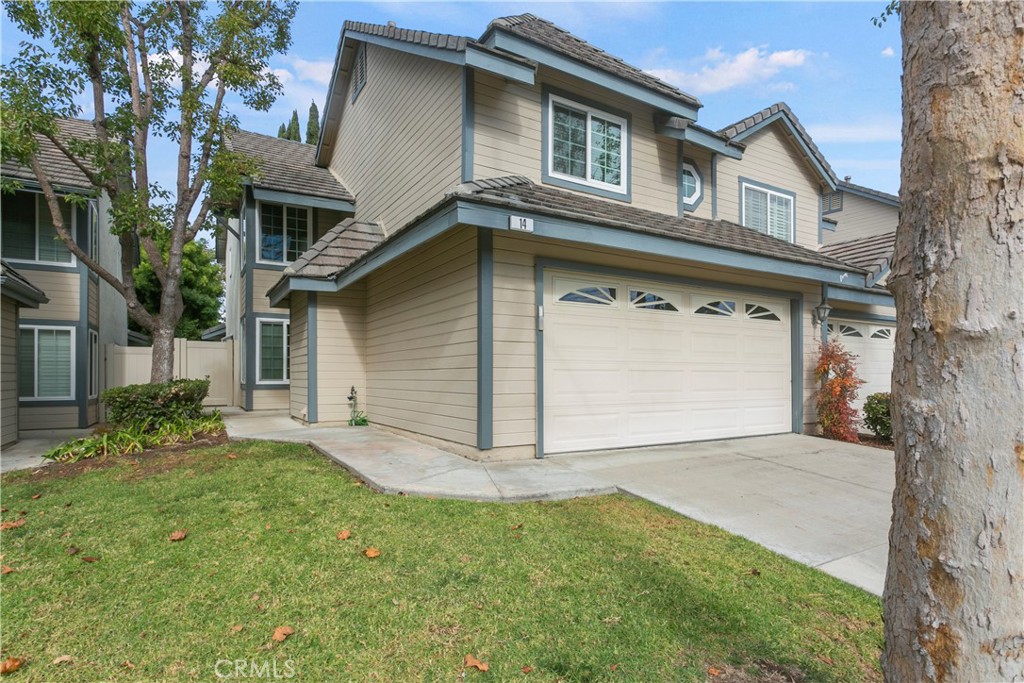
(595,589)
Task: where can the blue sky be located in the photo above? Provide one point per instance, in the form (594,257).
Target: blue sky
(837,71)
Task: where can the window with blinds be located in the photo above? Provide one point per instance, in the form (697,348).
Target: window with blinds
(28,232)
(273,357)
(46,363)
(768,211)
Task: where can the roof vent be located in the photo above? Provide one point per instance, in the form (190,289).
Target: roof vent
(392,24)
(847,178)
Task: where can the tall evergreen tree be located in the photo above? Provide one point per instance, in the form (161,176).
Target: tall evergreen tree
(282,132)
(313,125)
(293,127)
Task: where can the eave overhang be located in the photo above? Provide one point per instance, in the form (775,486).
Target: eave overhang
(682,129)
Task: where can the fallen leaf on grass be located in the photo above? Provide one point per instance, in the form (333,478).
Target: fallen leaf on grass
(37,496)
(281,633)
(371,553)
(72,550)
(527,669)
(517,526)
(90,559)
(472,662)
(232,456)
(3,509)
(12,525)
(10,665)
(68,504)
(614,667)
(826,660)
(255,597)
(178,535)
(63,659)
(6,570)
(464,559)
(755,572)
(344,535)
(713,672)
(127,664)
(237,628)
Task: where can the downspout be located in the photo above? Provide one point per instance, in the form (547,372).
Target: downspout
(714,186)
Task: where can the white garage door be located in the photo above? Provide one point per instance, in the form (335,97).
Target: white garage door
(634,363)
(873,345)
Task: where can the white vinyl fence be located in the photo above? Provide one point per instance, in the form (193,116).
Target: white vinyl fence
(192,360)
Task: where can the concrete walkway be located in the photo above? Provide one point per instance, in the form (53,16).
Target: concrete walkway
(822,503)
(27,454)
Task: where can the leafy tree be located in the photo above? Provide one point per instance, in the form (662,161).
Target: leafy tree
(156,69)
(293,127)
(282,132)
(954,589)
(313,125)
(202,289)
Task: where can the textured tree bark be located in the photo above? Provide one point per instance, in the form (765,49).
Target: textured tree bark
(954,591)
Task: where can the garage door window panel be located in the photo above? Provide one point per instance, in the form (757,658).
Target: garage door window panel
(759,312)
(719,307)
(844,331)
(586,293)
(882,333)
(653,301)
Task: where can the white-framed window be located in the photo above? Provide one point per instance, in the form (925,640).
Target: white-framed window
(272,352)
(94,364)
(690,184)
(284,232)
(28,232)
(586,145)
(768,211)
(46,362)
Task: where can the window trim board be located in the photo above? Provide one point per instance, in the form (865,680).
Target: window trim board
(73,333)
(260,321)
(684,205)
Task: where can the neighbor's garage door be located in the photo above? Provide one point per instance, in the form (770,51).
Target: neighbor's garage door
(873,345)
(634,363)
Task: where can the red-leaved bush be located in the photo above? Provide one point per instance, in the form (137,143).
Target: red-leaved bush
(837,373)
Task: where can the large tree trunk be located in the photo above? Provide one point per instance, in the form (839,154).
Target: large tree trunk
(954,591)
(162,369)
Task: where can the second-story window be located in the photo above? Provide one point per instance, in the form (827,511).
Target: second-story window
(284,232)
(587,146)
(28,232)
(768,211)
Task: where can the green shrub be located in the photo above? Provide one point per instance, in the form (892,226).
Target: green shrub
(359,419)
(878,415)
(135,438)
(154,404)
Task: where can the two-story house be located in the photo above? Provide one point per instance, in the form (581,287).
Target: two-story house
(57,356)
(541,251)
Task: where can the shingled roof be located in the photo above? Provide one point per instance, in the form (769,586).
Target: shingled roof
(336,250)
(873,254)
(288,166)
(14,285)
(60,170)
(737,129)
(870,192)
(547,34)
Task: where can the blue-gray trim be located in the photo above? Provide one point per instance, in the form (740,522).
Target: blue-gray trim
(823,324)
(538,53)
(847,314)
(697,137)
(830,180)
(482,215)
(796,362)
(479,59)
(296,199)
(796,300)
(872,280)
(312,395)
(251,237)
(873,197)
(269,266)
(778,190)
(66,403)
(714,187)
(468,122)
(546,92)
(861,296)
(37,265)
(485,340)
(25,294)
(682,206)
(82,334)
(358,87)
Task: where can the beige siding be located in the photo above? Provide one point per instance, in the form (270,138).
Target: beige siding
(92,412)
(421,340)
(341,352)
(399,144)
(299,366)
(861,217)
(61,288)
(515,371)
(770,158)
(270,399)
(263,280)
(325,220)
(63,417)
(507,136)
(8,371)
(94,302)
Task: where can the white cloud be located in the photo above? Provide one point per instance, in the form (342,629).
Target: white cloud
(319,71)
(888,52)
(873,130)
(722,71)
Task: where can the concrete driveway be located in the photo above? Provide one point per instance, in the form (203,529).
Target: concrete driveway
(823,503)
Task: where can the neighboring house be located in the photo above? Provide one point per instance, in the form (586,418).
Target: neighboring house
(60,361)
(15,293)
(541,251)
